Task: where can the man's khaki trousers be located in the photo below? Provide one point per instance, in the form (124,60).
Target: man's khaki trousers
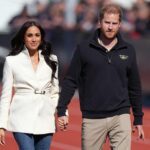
(116,128)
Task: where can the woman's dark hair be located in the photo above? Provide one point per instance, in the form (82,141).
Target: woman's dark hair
(17,44)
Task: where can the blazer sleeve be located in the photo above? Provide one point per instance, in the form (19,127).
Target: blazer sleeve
(6,95)
(55,84)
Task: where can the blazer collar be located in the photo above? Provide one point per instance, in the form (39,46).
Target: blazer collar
(26,52)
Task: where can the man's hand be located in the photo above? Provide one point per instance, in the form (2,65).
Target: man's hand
(140,131)
(63,122)
(2,136)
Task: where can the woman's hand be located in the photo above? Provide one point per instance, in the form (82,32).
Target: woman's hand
(2,136)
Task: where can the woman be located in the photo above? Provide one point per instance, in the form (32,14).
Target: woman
(31,74)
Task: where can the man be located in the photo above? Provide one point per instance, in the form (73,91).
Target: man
(104,69)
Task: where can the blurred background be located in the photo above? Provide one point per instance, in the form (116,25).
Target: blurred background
(67,22)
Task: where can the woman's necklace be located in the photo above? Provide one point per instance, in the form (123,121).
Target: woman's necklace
(34,61)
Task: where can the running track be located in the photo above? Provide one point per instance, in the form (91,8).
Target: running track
(70,140)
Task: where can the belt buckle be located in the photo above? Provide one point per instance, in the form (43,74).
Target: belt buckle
(36,91)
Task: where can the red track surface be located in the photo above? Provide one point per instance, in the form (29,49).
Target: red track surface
(71,139)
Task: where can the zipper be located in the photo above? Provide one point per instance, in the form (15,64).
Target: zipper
(109,60)
(108,57)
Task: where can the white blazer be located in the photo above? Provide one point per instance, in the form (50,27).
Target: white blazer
(33,105)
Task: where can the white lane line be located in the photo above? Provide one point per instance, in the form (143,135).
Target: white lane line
(64,146)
